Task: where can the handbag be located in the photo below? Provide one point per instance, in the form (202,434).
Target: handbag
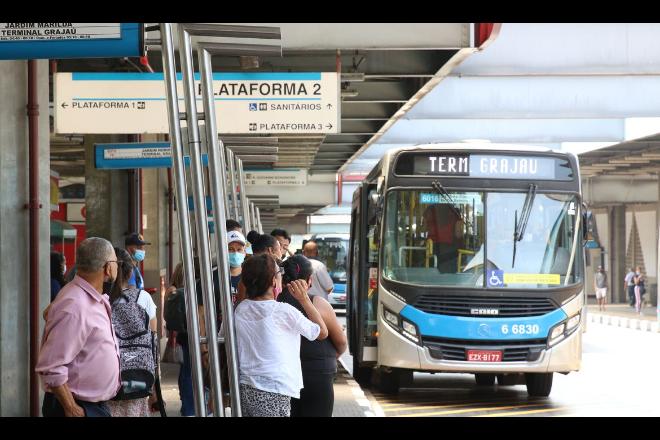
(173,352)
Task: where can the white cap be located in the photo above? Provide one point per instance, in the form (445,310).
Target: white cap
(233,236)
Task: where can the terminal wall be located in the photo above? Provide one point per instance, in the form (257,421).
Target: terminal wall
(106,195)
(14,248)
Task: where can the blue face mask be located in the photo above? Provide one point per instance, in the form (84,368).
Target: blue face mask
(139,255)
(236,259)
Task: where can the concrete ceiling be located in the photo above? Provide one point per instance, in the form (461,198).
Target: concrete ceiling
(383,66)
(566,86)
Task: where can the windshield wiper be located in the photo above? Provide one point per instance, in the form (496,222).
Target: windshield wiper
(452,205)
(519,227)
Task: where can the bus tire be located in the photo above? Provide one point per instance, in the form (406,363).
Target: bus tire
(538,384)
(484,379)
(388,382)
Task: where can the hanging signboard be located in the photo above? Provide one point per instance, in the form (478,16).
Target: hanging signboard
(130,155)
(282,177)
(253,103)
(21,41)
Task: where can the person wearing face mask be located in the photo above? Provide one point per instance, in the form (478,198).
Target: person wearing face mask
(236,248)
(268,339)
(78,361)
(134,245)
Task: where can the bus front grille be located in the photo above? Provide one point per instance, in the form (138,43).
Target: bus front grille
(512,351)
(484,307)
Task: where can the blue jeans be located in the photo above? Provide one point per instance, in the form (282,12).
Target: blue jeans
(185,384)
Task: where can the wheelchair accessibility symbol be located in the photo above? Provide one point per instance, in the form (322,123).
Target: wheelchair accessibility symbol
(253,106)
(495,278)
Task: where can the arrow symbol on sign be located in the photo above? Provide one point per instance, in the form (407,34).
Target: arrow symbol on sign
(329,126)
(329,106)
(64,105)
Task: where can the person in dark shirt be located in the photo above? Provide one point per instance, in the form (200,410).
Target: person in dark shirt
(318,358)
(236,248)
(57,270)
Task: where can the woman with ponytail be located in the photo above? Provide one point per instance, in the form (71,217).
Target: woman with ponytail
(318,358)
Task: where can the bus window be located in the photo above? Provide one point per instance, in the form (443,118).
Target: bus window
(432,239)
(543,255)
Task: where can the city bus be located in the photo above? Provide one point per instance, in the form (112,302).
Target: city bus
(467,258)
(333,250)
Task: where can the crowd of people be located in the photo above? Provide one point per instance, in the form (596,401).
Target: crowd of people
(99,354)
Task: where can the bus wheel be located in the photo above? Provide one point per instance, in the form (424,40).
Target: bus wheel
(388,382)
(538,384)
(484,380)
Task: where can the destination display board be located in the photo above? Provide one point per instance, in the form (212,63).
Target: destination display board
(487,166)
(25,41)
(245,102)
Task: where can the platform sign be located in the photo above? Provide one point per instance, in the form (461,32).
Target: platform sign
(245,103)
(20,41)
(130,155)
(281,177)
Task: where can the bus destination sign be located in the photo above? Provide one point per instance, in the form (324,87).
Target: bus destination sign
(485,166)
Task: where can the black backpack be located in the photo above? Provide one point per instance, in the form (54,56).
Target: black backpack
(138,355)
(175,312)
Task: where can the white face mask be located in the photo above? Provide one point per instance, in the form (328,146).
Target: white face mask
(64,268)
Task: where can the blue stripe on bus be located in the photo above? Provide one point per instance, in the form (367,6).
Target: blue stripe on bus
(459,327)
(339,288)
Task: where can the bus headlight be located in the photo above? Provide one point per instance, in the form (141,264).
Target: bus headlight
(572,323)
(410,328)
(557,334)
(391,318)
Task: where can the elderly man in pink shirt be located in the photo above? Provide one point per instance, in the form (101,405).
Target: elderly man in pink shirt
(79,357)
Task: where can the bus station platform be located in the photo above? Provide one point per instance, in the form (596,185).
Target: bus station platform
(350,401)
(622,315)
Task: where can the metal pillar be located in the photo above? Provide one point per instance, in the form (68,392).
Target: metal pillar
(261,229)
(617,226)
(169,72)
(232,177)
(218,179)
(244,201)
(201,218)
(253,217)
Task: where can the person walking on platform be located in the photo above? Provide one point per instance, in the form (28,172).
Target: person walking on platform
(322,284)
(318,358)
(268,339)
(134,244)
(121,293)
(600,284)
(236,247)
(639,281)
(629,286)
(57,271)
(79,360)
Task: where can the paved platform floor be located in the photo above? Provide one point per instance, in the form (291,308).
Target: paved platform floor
(350,400)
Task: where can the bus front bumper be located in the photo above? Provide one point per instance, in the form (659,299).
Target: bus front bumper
(394,350)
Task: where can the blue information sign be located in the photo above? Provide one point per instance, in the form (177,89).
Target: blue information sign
(24,41)
(132,155)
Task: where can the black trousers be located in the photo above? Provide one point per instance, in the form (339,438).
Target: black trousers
(317,398)
(52,407)
(631,295)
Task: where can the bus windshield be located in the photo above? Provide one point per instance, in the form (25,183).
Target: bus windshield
(333,252)
(442,239)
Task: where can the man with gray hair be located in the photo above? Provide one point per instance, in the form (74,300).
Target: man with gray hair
(79,357)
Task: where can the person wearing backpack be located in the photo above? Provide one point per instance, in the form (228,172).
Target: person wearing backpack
(134,323)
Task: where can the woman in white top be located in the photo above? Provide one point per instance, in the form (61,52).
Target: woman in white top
(268,339)
(134,407)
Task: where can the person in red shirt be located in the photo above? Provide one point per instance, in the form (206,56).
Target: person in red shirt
(445,229)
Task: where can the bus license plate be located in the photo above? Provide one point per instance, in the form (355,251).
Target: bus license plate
(484,355)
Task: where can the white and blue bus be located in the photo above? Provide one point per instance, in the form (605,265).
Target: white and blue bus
(333,250)
(469,259)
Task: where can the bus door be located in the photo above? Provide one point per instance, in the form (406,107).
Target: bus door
(363,280)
